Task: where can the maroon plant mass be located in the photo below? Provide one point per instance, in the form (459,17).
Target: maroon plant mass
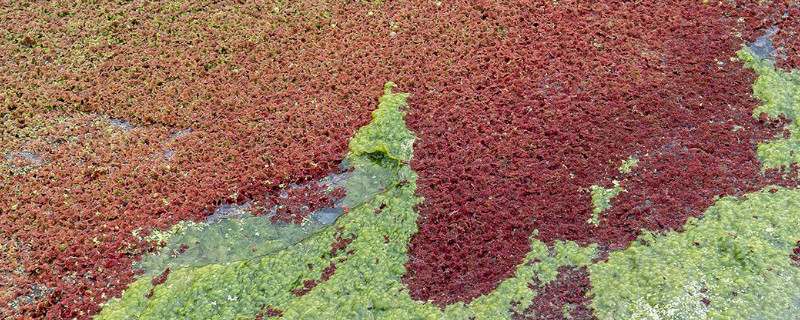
(566,293)
(126,117)
(785,16)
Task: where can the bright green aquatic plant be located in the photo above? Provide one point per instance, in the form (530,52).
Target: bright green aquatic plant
(628,165)
(191,244)
(779,90)
(734,263)
(366,281)
(601,198)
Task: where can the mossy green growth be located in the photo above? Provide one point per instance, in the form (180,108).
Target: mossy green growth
(628,165)
(386,136)
(780,92)
(367,280)
(734,263)
(601,198)
(541,264)
(222,241)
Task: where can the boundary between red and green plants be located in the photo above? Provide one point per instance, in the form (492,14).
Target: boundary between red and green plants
(729,261)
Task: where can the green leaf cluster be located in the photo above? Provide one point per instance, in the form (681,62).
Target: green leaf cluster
(367,280)
(734,263)
(779,90)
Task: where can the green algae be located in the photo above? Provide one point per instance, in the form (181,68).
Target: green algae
(226,240)
(601,198)
(368,179)
(780,92)
(367,279)
(386,137)
(733,263)
(242,288)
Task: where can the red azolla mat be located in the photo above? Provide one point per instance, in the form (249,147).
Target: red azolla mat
(123,117)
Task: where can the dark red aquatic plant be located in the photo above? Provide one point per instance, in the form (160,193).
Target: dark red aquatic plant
(135,116)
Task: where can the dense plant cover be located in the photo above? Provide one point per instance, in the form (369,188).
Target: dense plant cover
(122,118)
(348,270)
(737,261)
(734,263)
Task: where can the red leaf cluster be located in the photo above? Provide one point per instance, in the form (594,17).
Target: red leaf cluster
(783,14)
(795,256)
(161,278)
(568,289)
(553,106)
(141,115)
(268,312)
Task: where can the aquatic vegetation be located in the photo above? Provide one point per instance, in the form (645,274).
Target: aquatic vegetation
(730,260)
(785,17)
(117,120)
(600,200)
(366,278)
(373,254)
(628,165)
(733,263)
(779,91)
(197,244)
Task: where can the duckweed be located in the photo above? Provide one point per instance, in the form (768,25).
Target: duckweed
(628,165)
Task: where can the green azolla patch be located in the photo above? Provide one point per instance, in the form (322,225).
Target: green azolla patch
(223,241)
(628,165)
(367,280)
(386,137)
(497,304)
(368,179)
(732,264)
(780,92)
(601,198)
